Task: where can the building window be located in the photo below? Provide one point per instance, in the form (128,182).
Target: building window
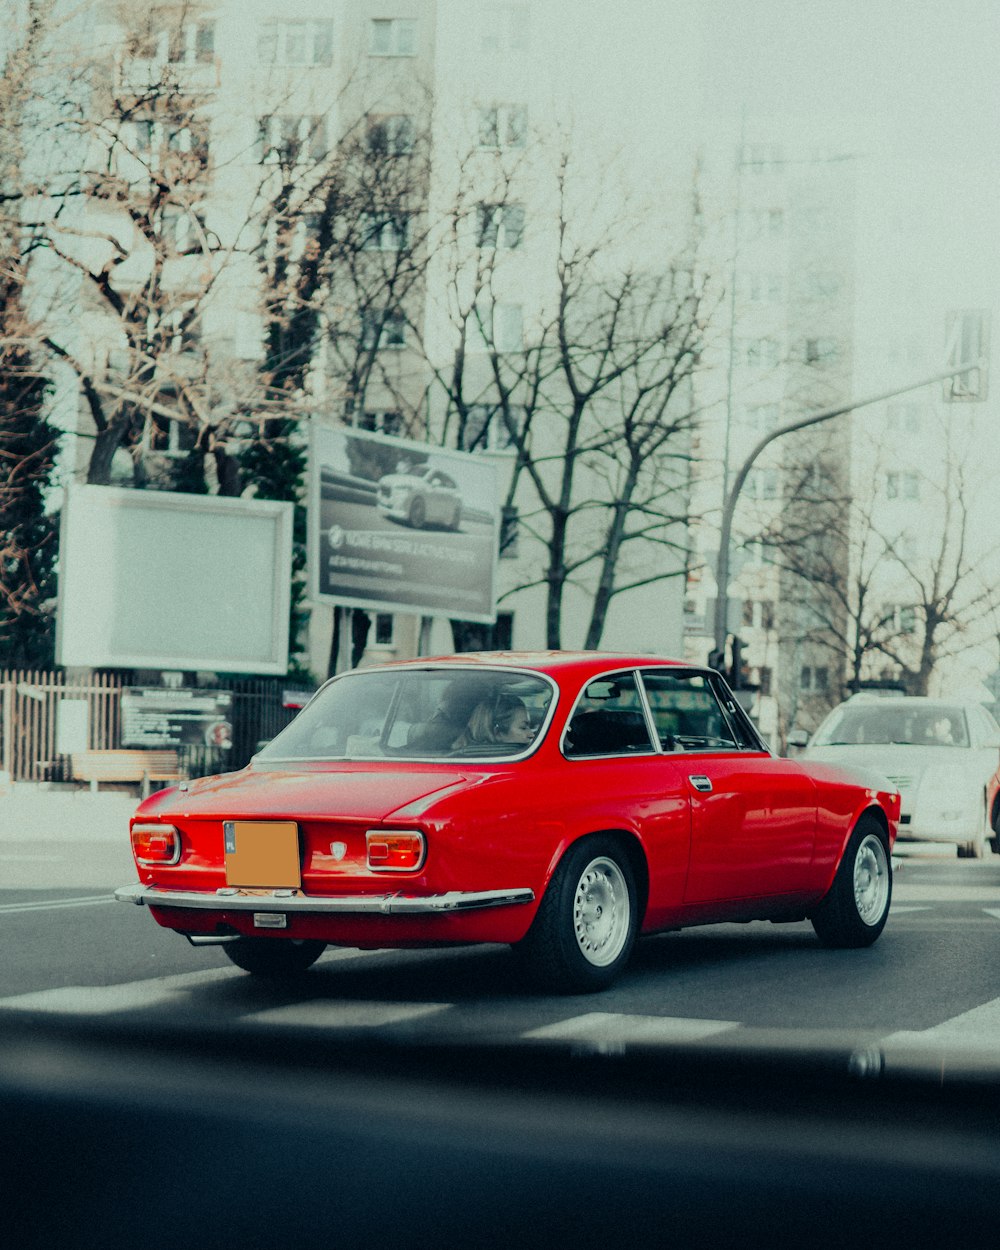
(820,286)
(904,418)
(167,38)
(292,138)
(295,43)
(500,225)
(391,134)
(900,618)
(763,418)
(763,483)
(382,329)
(762,354)
(384,630)
(820,351)
(392,36)
(182,230)
(902,485)
(760,158)
(381,422)
(171,438)
(496,329)
(503,27)
(763,288)
(385,232)
(503,126)
(486,430)
(814,678)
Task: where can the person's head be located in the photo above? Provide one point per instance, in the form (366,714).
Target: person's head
(511,722)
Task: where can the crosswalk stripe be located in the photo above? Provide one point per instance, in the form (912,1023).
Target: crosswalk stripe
(976,1029)
(344,1015)
(909,891)
(603,1028)
(90,900)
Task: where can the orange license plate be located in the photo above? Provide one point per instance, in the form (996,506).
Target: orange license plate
(262,853)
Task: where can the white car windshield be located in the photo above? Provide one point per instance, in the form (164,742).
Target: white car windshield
(418,714)
(870,723)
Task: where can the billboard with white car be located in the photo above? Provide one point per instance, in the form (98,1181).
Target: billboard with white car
(397,525)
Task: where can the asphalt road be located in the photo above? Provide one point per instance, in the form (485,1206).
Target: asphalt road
(68,949)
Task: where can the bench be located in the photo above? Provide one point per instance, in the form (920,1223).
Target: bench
(140,767)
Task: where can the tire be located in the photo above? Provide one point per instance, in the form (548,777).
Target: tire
(976,849)
(585,927)
(274,957)
(418,514)
(856,907)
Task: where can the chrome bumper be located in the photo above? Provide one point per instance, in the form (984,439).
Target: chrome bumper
(230,899)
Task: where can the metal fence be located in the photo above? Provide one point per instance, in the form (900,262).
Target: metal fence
(32,703)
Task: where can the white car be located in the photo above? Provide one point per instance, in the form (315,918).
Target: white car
(420,496)
(941,754)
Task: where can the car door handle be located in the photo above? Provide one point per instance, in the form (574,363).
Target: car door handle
(700,782)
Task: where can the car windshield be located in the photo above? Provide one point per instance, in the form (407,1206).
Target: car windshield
(919,725)
(416,714)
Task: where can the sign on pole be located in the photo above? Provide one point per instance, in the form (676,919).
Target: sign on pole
(401,526)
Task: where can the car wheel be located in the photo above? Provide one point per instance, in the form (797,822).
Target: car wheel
(585,926)
(975,849)
(856,907)
(418,514)
(273,957)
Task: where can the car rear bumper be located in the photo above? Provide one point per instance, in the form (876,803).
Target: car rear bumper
(292,901)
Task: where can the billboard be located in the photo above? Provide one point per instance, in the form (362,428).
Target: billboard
(399,526)
(155,579)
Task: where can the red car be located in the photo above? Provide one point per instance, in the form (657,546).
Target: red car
(564,803)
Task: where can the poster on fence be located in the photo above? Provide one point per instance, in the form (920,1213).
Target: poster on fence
(402,526)
(160,717)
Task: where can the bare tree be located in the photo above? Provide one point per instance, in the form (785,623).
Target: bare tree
(881,604)
(593,396)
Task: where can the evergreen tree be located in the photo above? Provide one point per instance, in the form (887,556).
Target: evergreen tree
(28,536)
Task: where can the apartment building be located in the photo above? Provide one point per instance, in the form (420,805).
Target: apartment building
(187,311)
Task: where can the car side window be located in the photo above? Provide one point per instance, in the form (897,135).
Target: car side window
(688,714)
(609,720)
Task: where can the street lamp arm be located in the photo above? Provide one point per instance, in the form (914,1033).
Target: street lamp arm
(814,418)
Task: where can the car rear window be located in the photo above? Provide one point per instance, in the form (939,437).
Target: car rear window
(418,714)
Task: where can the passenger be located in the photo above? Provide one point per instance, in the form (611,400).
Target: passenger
(502,720)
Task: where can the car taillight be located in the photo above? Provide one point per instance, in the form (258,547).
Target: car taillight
(156,844)
(395,850)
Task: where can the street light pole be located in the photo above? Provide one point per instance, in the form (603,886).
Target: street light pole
(721,623)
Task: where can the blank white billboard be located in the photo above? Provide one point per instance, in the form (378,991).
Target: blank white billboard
(153,579)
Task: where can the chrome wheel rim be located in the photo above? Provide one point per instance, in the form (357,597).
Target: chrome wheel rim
(871,879)
(601,912)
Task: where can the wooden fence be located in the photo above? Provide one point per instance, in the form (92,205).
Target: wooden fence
(33,703)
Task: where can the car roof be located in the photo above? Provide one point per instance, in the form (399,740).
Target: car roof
(565,663)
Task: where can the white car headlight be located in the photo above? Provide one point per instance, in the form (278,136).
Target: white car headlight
(948,794)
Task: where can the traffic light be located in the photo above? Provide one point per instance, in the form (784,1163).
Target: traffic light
(716,659)
(736,668)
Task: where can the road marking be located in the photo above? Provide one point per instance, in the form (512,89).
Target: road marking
(90,900)
(99,1000)
(344,1015)
(607,1028)
(992,911)
(896,911)
(910,892)
(976,1029)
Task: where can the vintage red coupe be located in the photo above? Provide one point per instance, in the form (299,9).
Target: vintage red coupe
(564,803)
